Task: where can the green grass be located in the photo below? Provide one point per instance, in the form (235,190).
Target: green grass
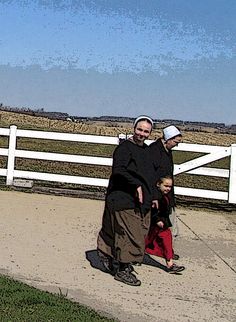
(89,149)
(20,302)
(199,181)
(184,180)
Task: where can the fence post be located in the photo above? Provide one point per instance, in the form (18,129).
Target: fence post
(232,175)
(11,155)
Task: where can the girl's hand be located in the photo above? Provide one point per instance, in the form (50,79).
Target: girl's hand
(160,224)
(155,204)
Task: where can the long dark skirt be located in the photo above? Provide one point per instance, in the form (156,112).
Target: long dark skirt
(123,234)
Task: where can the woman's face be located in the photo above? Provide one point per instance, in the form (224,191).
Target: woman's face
(142,131)
(171,143)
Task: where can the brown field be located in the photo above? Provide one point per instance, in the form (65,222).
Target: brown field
(106,128)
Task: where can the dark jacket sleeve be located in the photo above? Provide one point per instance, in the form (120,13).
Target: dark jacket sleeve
(162,213)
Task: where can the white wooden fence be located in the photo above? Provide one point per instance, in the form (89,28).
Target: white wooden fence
(194,167)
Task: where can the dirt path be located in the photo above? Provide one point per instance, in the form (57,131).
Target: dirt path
(49,242)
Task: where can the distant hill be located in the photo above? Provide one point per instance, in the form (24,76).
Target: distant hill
(109,126)
(113,120)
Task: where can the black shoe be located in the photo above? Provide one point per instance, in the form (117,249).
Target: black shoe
(125,276)
(175,257)
(107,262)
(175,269)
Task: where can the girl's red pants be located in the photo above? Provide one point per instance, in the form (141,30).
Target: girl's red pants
(159,242)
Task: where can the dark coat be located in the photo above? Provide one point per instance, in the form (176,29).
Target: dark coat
(163,164)
(132,167)
(162,213)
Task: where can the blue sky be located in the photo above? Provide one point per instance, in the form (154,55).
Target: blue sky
(165,58)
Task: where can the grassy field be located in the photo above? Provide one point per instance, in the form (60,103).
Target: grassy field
(208,136)
(19,302)
(44,124)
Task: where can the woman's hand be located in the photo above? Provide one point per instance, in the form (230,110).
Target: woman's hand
(140,194)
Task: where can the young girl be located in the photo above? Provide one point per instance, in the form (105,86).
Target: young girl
(159,240)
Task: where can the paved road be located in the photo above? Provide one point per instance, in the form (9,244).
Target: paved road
(49,242)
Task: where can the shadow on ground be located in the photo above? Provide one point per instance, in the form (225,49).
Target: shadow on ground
(94,260)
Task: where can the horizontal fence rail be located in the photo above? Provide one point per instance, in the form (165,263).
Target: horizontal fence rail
(193,167)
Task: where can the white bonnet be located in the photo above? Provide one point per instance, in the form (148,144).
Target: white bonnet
(143,117)
(170,132)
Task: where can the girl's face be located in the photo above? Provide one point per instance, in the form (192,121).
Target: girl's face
(165,186)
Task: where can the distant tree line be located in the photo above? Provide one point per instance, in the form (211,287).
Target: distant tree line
(35,112)
(158,123)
